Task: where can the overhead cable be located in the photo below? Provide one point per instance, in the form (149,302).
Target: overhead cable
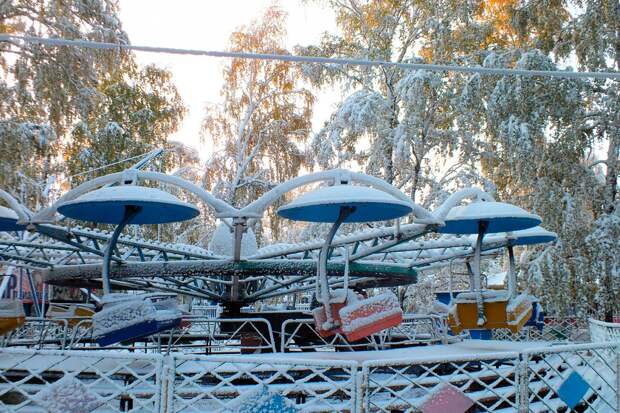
(311,59)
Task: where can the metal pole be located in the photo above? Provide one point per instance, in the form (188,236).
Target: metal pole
(240,226)
(512,275)
(322,267)
(482,227)
(130,212)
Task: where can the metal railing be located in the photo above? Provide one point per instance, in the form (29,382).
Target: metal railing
(581,377)
(555,329)
(301,335)
(601,331)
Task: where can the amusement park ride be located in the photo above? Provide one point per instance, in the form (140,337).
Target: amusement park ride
(469,226)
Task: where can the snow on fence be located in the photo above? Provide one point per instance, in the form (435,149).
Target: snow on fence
(601,331)
(39,333)
(489,382)
(77,381)
(583,377)
(565,329)
(218,384)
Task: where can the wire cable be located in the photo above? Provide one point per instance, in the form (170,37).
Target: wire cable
(311,59)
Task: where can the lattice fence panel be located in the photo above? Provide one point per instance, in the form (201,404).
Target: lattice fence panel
(484,383)
(97,381)
(555,330)
(573,378)
(217,384)
(601,331)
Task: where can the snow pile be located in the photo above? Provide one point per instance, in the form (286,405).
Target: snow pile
(518,301)
(68,395)
(262,400)
(121,314)
(222,242)
(369,311)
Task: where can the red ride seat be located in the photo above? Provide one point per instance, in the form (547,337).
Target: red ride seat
(362,318)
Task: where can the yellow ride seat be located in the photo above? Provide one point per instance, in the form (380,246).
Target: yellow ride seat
(500,311)
(12,315)
(72,312)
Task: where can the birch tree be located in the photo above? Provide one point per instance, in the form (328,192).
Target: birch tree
(260,128)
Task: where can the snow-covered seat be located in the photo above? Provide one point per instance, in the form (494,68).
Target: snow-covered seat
(500,311)
(12,315)
(362,318)
(128,317)
(339,204)
(71,311)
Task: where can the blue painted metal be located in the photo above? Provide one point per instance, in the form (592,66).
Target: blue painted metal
(8,220)
(325,204)
(531,236)
(573,390)
(500,224)
(138,330)
(128,333)
(108,205)
(481,334)
(537,320)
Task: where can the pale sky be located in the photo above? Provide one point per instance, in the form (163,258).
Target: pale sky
(207,25)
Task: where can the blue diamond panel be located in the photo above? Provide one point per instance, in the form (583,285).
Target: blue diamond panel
(573,389)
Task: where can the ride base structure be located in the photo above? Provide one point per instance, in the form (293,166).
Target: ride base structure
(183,301)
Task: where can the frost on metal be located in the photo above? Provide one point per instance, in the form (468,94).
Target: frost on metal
(123,314)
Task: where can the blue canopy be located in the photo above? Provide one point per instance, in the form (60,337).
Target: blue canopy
(324,204)
(536,235)
(107,206)
(8,220)
(499,216)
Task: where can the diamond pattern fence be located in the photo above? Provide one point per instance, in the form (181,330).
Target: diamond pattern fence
(556,329)
(601,331)
(217,384)
(485,383)
(577,378)
(563,378)
(77,381)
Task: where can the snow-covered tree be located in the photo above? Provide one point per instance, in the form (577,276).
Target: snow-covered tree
(259,129)
(90,107)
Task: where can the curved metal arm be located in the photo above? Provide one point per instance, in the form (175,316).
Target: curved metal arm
(220,207)
(22,212)
(130,212)
(322,267)
(482,228)
(456,198)
(257,207)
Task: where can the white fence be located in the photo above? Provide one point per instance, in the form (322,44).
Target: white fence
(601,331)
(557,378)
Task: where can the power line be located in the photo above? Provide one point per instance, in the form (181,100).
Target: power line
(310,59)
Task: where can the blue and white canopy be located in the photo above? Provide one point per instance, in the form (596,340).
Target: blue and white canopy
(108,205)
(499,216)
(324,204)
(536,235)
(8,220)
